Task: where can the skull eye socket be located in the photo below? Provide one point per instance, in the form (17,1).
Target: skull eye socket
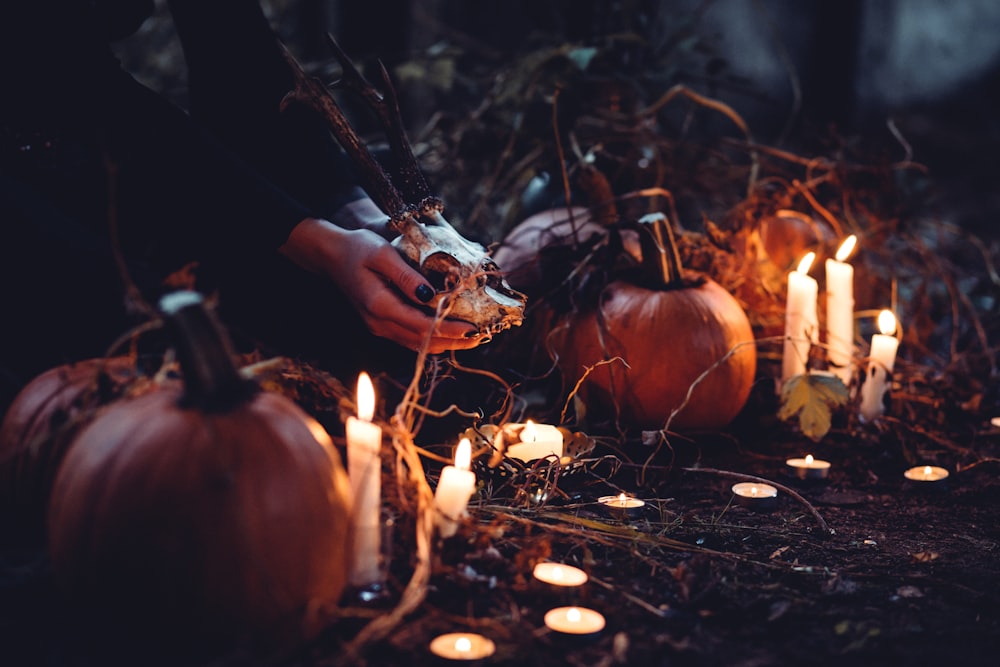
(438,279)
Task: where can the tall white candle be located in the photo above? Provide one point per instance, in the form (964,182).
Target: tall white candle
(840,311)
(881,359)
(801,321)
(537,441)
(364,468)
(456,486)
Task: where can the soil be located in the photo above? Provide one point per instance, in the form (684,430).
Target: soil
(864,567)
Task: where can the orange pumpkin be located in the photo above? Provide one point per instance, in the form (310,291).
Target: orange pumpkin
(203,514)
(671,329)
(37,428)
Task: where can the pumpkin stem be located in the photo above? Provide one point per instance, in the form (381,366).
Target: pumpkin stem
(211,379)
(661,262)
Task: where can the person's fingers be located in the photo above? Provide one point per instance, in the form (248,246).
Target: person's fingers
(388,263)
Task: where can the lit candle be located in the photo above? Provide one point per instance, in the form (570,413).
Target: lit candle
(622,505)
(456,486)
(927,476)
(537,441)
(840,311)
(575,621)
(462,646)
(880,362)
(801,321)
(558,574)
(808,467)
(364,468)
(755,495)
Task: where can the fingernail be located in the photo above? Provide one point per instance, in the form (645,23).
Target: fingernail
(424,293)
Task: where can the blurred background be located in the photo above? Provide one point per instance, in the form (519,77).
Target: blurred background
(916,79)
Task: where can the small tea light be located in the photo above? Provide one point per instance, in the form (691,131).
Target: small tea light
(622,505)
(927,476)
(462,646)
(575,621)
(561,575)
(995,422)
(755,495)
(808,467)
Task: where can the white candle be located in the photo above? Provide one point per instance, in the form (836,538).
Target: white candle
(808,467)
(559,574)
(537,441)
(622,505)
(881,359)
(456,486)
(364,468)
(801,321)
(462,646)
(574,620)
(840,312)
(926,474)
(755,495)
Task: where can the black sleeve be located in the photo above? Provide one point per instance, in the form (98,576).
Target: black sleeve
(237,79)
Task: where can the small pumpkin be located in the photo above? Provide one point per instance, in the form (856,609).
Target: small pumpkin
(526,251)
(202,514)
(786,235)
(670,327)
(37,428)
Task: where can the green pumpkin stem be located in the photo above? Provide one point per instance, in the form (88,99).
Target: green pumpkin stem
(211,379)
(661,262)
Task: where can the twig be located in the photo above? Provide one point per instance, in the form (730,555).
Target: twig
(656,611)
(827,531)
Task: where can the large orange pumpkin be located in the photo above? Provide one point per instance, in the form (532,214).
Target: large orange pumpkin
(202,515)
(671,329)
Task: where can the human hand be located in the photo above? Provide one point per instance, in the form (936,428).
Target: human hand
(383,288)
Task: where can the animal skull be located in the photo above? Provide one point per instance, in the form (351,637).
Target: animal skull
(463,275)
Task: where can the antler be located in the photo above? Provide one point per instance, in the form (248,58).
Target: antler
(415,197)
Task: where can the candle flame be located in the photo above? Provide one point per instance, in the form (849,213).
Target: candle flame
(806,262)
(463,645)
(753,491)
(529,432)
(887,322)
(463,454)
(622,499)
(927,471)
(557,573)
(573,615)
(809,459)
(846,248)
(366,397)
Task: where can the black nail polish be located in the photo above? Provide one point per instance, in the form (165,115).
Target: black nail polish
(424,293)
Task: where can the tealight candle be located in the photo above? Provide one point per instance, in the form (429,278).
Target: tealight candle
(755,495)
(364,469)
(801,321)
(622,505)
(455,487)
(575,621)
(881,360)
(808,467)
(927,476)
(462,646)
(537,441)
(840,311)
(558,574)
